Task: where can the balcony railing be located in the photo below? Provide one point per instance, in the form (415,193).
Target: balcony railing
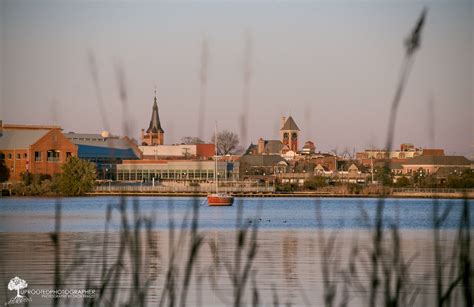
(431,190)
(181,189)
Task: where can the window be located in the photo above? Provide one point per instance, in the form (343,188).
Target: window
(37,156)
(25,155)
(18,156)
(53,155)
(2,156)
(68,154)
(9,156)
(285,135)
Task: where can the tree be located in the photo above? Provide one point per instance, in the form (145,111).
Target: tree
(17,284)
(461,180)
(402,182)
(77,178)
(4,171)
(227,142)
(191,140)
(383,175)
(315,183)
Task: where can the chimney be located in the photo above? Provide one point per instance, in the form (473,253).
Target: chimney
(261,146)
(283,120)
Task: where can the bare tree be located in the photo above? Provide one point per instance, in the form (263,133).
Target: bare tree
(227,142)
(191,140)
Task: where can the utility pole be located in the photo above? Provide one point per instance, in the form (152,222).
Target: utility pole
(372,167)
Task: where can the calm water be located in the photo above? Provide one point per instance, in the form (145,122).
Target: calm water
(88,213)
(288,264)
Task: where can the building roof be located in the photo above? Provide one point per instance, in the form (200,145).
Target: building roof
(155,125)
(445,171)
(97,140)
(20,139)
(29,127)
(252,147)
(290,125)
(273,146)
(438,160)
(261,160)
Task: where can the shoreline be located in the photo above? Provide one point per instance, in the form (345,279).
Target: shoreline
(419,195)
(291,195)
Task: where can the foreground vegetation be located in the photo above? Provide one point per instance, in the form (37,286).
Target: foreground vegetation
(77,178)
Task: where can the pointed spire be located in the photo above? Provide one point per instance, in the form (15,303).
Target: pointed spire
(155,125)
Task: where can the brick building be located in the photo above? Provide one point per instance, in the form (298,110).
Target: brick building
(34,149)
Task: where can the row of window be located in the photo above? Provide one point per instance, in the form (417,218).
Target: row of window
(10,156)
(127,175)
(51,156)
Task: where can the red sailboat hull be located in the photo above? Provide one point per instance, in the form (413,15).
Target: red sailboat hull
(220,200)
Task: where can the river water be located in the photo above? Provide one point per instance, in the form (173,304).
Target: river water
(288,267)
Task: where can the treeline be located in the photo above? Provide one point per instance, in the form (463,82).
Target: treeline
(420,179)
(77,178)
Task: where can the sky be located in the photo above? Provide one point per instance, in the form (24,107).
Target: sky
(332,65)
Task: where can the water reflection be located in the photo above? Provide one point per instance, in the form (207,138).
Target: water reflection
(287,262)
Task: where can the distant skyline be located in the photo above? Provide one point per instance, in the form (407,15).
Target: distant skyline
(333,66)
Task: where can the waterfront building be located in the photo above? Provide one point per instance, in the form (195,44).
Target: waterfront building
(104,150)
(178,151)
(406,151)
(176,170)
(154,135)
(34,149)
(431,164)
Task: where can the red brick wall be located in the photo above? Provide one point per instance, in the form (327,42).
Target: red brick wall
(16,166)
(205,150)
(53,140)
(433,152)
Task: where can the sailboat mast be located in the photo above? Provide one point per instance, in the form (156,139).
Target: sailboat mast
(215,159)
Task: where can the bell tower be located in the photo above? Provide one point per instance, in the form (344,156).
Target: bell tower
(289,133)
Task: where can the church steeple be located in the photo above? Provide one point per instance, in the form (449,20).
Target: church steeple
(155,125)
(154,134)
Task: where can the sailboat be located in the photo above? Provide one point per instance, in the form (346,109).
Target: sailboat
(218,199)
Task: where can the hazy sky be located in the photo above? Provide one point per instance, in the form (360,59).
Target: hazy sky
(332,65)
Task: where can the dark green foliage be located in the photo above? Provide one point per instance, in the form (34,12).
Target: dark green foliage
(77,178)
(287,187)
(315,183)
(422,179)
(4,172)
(34,184)
(402,182)
(383,175)
(463,180)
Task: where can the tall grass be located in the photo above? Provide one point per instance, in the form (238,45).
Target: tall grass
(381,270)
